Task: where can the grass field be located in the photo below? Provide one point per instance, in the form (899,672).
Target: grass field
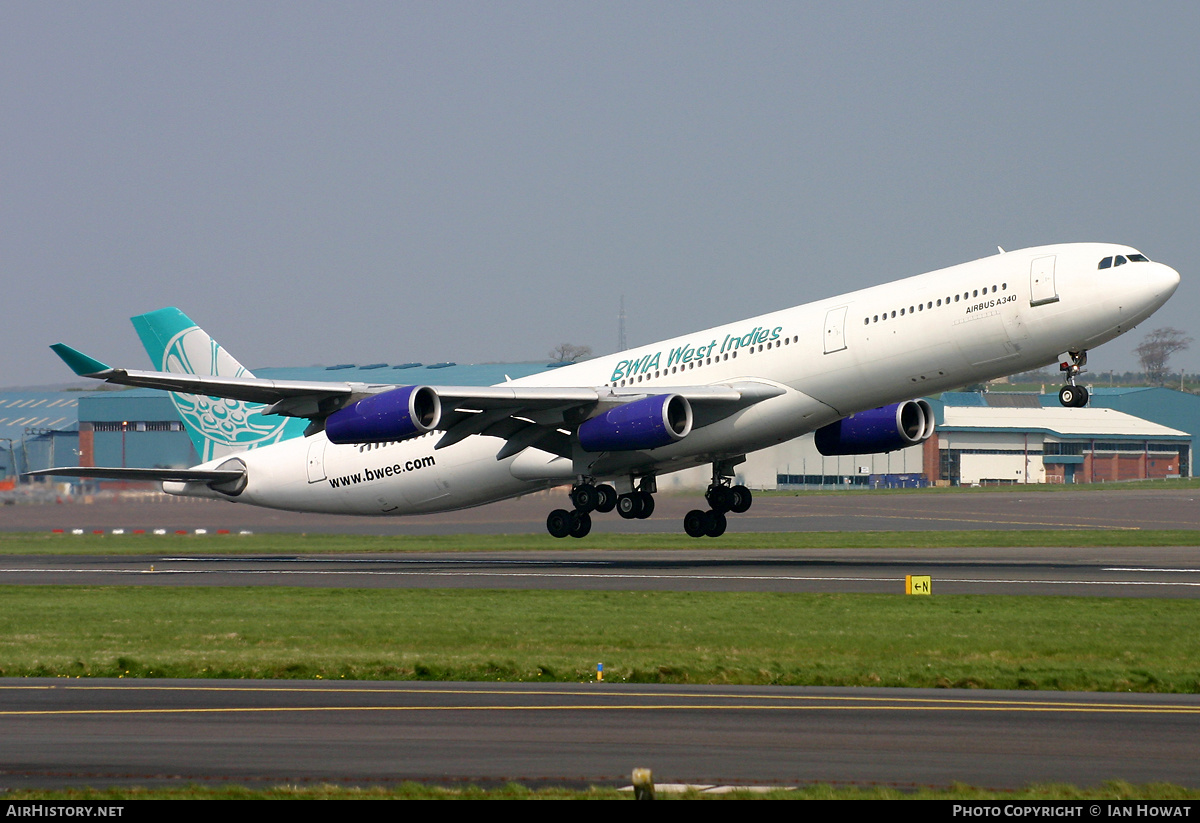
(754,638)
(1091,644)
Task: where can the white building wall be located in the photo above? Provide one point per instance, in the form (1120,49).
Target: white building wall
(1026,429)
(990,440)
(800,456)
(989,468)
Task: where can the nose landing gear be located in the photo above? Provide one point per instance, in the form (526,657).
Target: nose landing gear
(1071,395)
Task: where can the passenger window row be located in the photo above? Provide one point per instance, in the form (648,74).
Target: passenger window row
(705,361)
(933,304)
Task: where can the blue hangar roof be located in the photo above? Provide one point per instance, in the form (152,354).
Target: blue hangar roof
(446,374)
(36,409)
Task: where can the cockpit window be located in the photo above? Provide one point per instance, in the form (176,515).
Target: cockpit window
(1119,260)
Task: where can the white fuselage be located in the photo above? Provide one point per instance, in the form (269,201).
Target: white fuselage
(972,322)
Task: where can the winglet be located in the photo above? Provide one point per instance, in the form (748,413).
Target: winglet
(79,362)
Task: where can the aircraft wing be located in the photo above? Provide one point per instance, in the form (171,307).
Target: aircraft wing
(541,416)
(303,398)
(288,396)
(248,389)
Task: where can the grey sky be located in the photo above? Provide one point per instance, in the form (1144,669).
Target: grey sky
(364,182)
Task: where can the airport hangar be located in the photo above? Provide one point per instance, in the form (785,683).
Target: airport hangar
(981,438)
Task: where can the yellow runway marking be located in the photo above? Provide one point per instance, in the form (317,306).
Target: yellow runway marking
(616,701)
(131,686)
(1068,709)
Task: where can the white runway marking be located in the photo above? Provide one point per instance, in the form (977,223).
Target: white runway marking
(1160,571)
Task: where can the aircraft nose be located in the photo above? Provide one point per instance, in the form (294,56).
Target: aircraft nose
(1154,287)
(1169,279)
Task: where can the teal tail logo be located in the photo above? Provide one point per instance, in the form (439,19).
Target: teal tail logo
(218,427)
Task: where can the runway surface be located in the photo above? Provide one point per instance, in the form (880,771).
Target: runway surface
(1125,572)
(1122,508)
(149,732)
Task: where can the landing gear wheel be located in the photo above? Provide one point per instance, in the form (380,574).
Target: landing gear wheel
(1073,396)
(581,524)
(559,523)
(1071,365)
(693,523)
(647,505)
(720,498)
(629,506)
(607,498)
(585,497)
(742,498)
(714,524)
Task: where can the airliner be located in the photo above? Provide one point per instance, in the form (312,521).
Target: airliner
(850,369)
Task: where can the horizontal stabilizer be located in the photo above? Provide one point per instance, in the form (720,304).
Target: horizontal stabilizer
(165,475)
(79,362)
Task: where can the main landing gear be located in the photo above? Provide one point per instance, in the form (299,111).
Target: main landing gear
(588,497)
(636,505)
(722,497)
(1071,395)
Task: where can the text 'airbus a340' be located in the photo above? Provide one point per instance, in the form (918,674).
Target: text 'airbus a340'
(847,368)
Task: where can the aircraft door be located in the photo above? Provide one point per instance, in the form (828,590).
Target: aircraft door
(316,459)
(835,329)
(1041,281)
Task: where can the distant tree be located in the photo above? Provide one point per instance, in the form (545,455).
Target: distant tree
(973,388)
(568,353)
(1031,377)
(1156,349)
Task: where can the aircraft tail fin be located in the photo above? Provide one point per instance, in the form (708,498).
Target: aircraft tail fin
(217,427)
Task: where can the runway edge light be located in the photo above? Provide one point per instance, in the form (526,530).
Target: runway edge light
(643,784)
(918,584)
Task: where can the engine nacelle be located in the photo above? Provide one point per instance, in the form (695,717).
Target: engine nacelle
(886,429)
(397,414)
(641,424)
